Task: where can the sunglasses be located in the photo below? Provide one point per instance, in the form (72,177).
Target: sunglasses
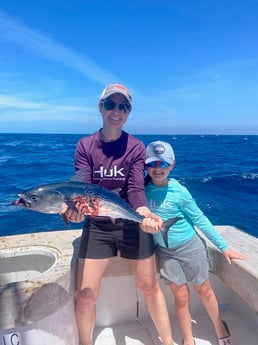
(123,107)
(158,164)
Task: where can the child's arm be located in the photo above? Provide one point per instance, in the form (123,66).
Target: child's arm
(195,214)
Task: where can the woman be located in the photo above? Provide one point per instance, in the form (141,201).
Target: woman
(114,159)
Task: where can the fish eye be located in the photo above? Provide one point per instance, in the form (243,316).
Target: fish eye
(33,197)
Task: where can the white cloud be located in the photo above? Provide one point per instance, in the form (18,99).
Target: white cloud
(16,109)
(15,102)
(48,48)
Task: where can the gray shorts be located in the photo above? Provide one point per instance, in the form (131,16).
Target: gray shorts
(188,263)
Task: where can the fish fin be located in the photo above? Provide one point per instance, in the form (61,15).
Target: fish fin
(70,203)
(79,176)
(166,225)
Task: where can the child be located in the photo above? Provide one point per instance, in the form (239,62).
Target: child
(182,254)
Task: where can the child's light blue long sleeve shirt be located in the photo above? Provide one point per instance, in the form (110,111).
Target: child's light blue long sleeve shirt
(174,200)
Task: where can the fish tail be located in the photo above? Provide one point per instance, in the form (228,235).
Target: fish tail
(165,227)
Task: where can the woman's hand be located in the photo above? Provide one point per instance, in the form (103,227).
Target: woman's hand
(75,216)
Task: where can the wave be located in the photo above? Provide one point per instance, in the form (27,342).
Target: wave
(232,177)
(250,176)
(220,180)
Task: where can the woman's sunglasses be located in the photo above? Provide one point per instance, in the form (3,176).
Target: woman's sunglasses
(123,107)
(158,164)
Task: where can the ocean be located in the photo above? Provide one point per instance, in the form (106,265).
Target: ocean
(220,171)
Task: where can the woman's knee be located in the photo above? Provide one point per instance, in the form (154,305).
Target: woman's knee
(149,287)
(86,296)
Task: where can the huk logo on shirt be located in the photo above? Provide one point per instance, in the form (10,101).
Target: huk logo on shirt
(114,172)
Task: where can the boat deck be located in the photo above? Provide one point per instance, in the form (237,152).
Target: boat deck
(127,322)
(144,333)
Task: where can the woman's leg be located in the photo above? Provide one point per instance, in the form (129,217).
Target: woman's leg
(182,302)
(89,276)
(146,280)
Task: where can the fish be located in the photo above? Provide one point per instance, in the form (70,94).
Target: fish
(97,201)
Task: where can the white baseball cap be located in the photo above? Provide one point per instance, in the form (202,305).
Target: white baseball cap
(116,88)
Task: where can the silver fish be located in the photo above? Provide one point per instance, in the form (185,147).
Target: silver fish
(57,198)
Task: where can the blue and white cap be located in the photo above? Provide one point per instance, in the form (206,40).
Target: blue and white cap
(159,151)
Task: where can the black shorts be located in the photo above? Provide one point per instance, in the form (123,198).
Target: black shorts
(102,239)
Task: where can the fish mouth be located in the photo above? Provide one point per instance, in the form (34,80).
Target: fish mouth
(21,202)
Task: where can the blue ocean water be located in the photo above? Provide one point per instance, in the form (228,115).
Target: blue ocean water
(221,172)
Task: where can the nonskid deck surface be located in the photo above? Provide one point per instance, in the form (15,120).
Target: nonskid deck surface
(144,333)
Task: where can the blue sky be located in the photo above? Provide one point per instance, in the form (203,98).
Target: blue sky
(192,66)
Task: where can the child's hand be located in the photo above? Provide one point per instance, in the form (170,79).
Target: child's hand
(230,254)
(151,223)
